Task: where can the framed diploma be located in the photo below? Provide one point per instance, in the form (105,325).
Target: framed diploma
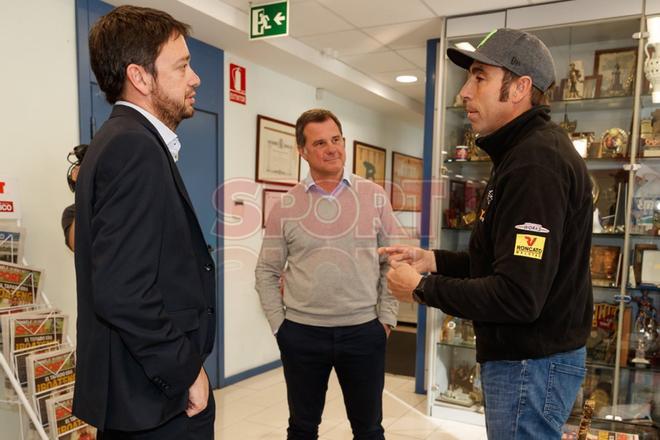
(407,176)
(369,162)
(278,160)
(270,198)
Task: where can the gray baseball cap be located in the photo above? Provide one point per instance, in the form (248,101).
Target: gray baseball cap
(517,51)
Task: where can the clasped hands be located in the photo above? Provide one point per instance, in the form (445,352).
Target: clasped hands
(406,265)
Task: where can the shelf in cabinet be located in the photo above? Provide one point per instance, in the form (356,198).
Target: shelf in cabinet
(593,104)
(647,287)
(447,404)
(448,344)
(447,228)
(614,288)
(454,162)
(621,235)
(608,234)
(649,369)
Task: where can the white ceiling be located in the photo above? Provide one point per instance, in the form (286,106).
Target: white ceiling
(354,48)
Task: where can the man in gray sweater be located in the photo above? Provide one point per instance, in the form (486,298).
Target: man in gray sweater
(321,242)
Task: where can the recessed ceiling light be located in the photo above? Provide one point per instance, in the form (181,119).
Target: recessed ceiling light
(406,78)
(465,46)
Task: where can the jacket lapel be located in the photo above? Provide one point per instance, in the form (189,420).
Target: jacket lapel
(123,110)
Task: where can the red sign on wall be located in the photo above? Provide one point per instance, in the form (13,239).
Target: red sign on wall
(237,84)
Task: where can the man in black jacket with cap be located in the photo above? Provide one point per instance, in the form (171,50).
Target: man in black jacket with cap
(525,280)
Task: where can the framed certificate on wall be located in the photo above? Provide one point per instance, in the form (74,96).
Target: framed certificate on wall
(278,160)
(369,162)
(407,176)
(270,198)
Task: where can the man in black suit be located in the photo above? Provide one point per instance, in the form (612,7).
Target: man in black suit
(146,281)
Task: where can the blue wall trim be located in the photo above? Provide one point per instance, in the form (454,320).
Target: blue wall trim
(429,108)
(220,241)
(249,373)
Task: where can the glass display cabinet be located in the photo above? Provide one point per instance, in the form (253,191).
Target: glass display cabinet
(603,101)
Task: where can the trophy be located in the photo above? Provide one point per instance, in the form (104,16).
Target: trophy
(461,386)
(595,194)
(646,328)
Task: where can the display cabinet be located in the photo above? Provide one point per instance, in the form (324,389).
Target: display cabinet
(603,101)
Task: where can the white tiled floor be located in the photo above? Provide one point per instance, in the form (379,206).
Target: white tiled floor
(256,409)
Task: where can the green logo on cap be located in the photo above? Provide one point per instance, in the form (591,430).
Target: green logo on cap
(486,38)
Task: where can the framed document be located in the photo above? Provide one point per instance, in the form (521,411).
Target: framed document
(369,162)
(617,68)
(638,258)
(278,160)
(592,86)
(407,176)
(270,198)
(605,265)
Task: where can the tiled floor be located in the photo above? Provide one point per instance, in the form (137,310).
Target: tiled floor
(256,408)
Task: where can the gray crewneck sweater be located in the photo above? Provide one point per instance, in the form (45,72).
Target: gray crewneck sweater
(325,248)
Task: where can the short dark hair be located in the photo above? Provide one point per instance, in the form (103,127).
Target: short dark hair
(313,115)
(538,97)
(129,35)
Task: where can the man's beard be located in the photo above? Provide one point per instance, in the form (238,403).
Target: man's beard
(169,111)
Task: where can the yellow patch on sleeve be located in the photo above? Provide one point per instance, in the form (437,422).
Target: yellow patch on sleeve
(530,246)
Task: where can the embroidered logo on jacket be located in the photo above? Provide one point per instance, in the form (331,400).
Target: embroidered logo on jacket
(532,227)
(530,246)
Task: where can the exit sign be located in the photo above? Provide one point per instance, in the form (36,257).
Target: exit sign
(269,20)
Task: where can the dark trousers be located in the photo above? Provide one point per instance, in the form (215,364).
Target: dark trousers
(357,354)
(181,427)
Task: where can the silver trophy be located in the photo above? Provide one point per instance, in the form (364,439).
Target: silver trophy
(646,328)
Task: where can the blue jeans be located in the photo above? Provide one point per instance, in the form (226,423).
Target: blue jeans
(532,398)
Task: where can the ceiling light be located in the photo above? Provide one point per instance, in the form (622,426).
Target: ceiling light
(406,78)
(465,46)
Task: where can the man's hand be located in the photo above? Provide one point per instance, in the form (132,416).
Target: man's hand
(198,394)
(388,330)
(402,280)
(420,259)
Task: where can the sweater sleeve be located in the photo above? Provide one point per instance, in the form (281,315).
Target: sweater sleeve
(388,306)
(270,265)
(524,263)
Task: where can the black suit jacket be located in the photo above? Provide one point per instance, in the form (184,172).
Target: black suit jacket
(145,278)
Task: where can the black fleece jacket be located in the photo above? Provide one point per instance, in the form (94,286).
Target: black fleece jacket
(525,281)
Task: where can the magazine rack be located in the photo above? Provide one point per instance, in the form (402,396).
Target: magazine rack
(20,399)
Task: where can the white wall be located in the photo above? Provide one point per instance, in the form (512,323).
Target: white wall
(38,127)
(248,341)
